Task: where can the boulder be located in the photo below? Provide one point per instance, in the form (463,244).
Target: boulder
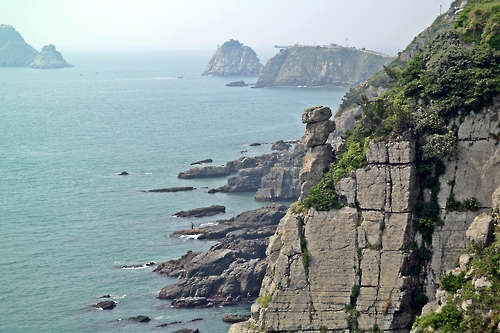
(234,318)
(480,232)
(106,305)
(317,133)
(140,319)
(280,145)
(202,211)
(316,114)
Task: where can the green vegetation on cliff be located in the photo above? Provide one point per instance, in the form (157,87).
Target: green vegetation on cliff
(446,79)
(320,66)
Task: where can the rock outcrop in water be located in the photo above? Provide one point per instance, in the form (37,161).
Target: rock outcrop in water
(233,58)
(234,266)
(49,58)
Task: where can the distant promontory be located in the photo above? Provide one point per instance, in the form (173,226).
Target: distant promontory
(329,65)
(233,59)
(15,52)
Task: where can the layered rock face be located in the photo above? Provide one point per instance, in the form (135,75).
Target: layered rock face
(49,58)
(273,176)
(355,257)
(14,51)
(474,173)
(320,155)
(233,58)
(320,66)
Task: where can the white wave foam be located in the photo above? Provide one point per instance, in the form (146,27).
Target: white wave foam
(190,236)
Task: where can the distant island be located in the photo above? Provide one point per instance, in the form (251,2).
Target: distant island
(15,52)
(329,65)
(233,59)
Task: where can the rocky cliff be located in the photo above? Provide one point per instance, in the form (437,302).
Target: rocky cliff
(49,58)
(366,247)
(233,58)
(14,51)
(321,66)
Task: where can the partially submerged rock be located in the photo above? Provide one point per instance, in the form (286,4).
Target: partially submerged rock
(202,211)
(234,318)
(140,319)
(106,305)
(170,189)
(205,172)
(237,84)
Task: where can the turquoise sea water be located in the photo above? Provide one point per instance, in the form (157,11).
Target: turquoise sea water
(68,222)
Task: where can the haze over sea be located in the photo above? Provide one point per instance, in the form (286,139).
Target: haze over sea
(68,222)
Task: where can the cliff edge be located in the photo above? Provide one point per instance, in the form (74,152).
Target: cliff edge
(366,247)
(233,58)
(321,66)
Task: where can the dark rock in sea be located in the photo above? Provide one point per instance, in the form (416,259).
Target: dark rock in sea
(140,319)
(281,145)
(234,266)
(151,263)
(233,58)
(105,296)
(170,189)
(202,211)
(208,160)
(237,84)
(255,144)
(123,173)
(205,172)
(189,302)
(49,58)
(106,305)
(234,318)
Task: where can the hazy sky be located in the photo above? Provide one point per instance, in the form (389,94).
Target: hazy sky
(76,25)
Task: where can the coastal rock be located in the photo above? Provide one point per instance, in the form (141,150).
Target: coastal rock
(233,58)
(188,330)
(49,58)
(140,319)
(14,51)
(205,172)
(106,305)
(281,145)
(189,302)
(272,176)
(202,211)
(237,84)
(170,189)
(208,160)
(234,266)
(315,164)
(234,318)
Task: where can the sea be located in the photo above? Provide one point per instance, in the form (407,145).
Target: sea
(69,222)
